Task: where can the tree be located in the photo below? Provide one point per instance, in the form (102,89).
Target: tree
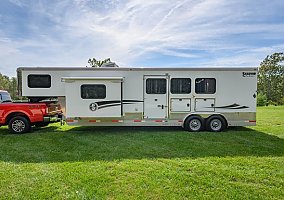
(271,78)
(4,82)
(98,63)
(13,88)
(10,85)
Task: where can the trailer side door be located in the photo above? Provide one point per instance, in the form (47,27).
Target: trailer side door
(155,97)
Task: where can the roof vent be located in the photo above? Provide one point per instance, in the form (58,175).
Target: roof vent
(110,64)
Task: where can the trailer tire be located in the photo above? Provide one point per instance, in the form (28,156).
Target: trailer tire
(215,123)
(194,124)
(19,125)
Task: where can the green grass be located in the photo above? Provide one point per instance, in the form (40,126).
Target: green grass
(63,162)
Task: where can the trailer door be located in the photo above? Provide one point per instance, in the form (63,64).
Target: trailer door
(156,97)
(93,97)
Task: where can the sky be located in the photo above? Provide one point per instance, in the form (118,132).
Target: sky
(139,33)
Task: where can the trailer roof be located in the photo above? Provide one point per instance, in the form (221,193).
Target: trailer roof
(137,68)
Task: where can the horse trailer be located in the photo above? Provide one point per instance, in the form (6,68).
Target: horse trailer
(194,98)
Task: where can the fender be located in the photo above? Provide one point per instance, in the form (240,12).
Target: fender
(5,117)
(204,115)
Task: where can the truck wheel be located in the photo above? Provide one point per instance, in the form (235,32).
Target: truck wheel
(215,124)
(194,124)
(19,125)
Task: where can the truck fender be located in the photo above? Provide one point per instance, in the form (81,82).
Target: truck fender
(11,114)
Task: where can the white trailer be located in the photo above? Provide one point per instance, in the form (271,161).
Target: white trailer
(194,98)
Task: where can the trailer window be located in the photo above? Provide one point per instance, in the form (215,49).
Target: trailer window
(180,85)
(205,85)
(156,86)
(94,91)
(39,81)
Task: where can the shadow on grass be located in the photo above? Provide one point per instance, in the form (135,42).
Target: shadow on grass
(67,144)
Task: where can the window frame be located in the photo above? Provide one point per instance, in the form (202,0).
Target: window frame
(215,86)
(165,89)
(40,87)
(83,97)
(171,87)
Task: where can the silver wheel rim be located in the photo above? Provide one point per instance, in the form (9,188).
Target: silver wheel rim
(18,126)
(195,124)
(216,124)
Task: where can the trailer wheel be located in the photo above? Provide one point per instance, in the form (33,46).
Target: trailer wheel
(19,125)
(215,123)
(194,123)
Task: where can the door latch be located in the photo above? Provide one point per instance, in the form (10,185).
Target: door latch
(161,106)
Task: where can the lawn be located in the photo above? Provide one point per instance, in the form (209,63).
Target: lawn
(63,162)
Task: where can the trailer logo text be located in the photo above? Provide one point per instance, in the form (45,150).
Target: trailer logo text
(249,74)
(93,106)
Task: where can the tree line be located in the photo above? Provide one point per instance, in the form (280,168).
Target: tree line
(270,80)
(270,83)
(10,85)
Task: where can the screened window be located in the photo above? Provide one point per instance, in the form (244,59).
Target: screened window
(180,85)
(39,81)
(205,85)
(156,86)
(94,91)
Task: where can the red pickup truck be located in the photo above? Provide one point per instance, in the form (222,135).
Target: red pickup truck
(20,117)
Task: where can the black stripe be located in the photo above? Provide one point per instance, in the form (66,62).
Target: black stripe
(232,106)
(100,103)
(242,107)
(111,105)
(228,106)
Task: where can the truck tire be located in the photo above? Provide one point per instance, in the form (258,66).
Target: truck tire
(19,125)
(194,124)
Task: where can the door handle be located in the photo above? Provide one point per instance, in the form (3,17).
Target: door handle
(161,106)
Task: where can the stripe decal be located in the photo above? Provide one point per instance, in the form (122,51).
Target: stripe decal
(232,106)
(106,104)
(228,106)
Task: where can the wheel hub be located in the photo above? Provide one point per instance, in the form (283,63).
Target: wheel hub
(216,124)
(18,126)
(195,124)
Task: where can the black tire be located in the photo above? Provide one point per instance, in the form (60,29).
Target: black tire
(215,124)
(19,125)
(41,124)
(194,124)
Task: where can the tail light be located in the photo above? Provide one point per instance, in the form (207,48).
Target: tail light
(44,110)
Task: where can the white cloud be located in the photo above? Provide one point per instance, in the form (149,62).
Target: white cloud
(129,30)
(17,2)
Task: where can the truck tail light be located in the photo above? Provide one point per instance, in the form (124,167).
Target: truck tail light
(44,110)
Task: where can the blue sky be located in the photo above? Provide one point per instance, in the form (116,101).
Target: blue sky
(136,33)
